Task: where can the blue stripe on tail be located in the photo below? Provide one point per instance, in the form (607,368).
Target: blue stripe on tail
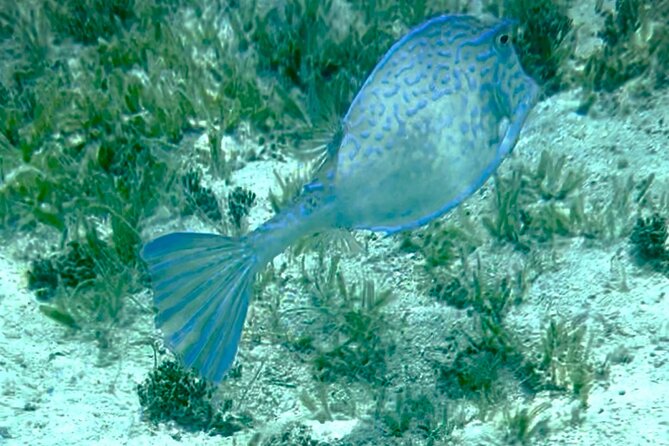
(202,285)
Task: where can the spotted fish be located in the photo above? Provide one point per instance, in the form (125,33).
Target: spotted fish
(432,122)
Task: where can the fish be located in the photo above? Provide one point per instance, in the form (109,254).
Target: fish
(432,122)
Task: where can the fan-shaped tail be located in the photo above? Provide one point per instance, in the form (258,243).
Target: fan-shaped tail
(202,286)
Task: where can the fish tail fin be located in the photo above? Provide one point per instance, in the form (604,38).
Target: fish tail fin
(201,289)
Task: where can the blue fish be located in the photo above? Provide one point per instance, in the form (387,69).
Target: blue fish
(433,121)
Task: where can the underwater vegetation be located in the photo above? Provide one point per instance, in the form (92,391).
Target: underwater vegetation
(111,120)
(89,20)
(493,351)
(289,187)
(316,54)
(86,147)
(416,413)
(90,149)
(295,433)
(635,55)
(544,40)
(534,206)
(636,40)
(351,319)
(86,286)
(524,424)
(440,243)
(564,362)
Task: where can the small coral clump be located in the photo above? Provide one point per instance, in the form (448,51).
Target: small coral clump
(240,203)
(649,241)
(171,393)
(73,268)
(199,197)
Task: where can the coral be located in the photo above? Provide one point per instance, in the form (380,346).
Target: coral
(171,393)
(240,202)
(43,278)
(74,267)
(199,197)
(77,266)
(649,241)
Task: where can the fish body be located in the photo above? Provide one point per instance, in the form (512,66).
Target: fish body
(432,122)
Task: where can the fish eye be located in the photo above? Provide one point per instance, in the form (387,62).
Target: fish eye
(503,39)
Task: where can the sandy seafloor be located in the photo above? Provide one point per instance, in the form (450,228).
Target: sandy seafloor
(57,389)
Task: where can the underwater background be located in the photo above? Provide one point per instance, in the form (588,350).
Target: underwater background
(536,313)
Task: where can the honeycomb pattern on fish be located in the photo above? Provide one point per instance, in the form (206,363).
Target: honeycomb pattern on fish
(431,123)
